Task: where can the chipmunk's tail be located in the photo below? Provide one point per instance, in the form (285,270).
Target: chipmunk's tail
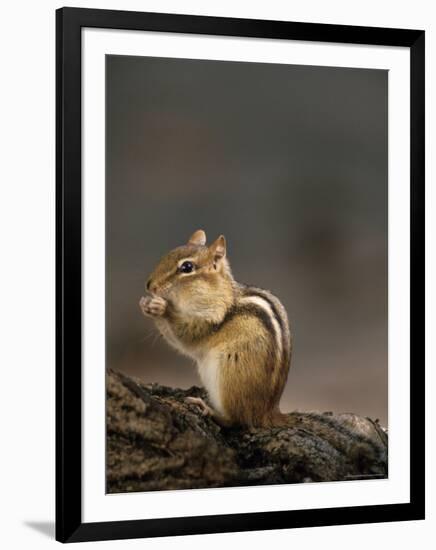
(285,420)
(278,419)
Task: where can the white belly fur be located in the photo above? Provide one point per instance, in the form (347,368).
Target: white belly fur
(209,371)
(208,365)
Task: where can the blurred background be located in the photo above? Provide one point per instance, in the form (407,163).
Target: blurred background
(290,164)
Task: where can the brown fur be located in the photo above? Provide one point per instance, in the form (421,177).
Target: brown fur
(207,312)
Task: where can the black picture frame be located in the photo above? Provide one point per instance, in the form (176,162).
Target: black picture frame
(69,525)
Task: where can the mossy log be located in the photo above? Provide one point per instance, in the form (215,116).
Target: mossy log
(157,441)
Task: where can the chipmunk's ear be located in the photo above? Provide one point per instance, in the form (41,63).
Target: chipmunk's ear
(218,248)
(198,238)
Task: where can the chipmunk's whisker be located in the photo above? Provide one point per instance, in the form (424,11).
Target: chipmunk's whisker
(149,335)
(157,337)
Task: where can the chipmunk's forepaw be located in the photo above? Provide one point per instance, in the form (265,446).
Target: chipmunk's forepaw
(201,404)
(152,306)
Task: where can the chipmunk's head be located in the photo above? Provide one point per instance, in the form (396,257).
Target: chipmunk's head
(195,277)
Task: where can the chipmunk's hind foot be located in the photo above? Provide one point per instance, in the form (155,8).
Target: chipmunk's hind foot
(206,410)
(201,404)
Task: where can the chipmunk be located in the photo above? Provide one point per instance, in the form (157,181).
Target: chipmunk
(238,335)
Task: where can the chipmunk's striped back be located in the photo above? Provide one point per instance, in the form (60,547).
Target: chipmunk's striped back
(272,307)
(279,320)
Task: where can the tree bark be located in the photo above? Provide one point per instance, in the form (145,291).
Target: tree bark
(156,441)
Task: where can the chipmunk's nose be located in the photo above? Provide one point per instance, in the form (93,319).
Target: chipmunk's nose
(148,284)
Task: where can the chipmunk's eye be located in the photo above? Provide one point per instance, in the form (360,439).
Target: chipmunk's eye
(187,267)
